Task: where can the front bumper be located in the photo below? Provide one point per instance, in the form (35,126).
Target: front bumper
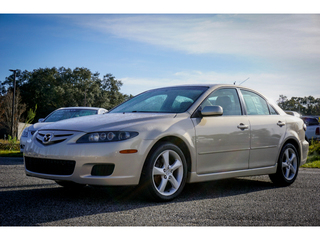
(304,153)
(94,163)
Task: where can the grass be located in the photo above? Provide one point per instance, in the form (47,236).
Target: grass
(8,153)
(10,148)
(313,161)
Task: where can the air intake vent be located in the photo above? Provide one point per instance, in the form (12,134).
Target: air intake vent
(102,170)
(50,166)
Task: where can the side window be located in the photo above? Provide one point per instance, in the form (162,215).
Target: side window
(227,98)
(255,104)
(272,111)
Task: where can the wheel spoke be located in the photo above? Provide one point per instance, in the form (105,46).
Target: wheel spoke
(293,169)
(285,164)
(177,164)
(286,153)
(165,156)
(287,172)
(174,182)
(158,171)
(293,158)
(162,185)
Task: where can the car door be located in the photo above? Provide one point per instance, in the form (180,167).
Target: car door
(222,142)
(267,130)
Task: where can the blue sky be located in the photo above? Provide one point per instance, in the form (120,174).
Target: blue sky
(279,53)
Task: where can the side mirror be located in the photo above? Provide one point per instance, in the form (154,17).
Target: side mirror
(41,120)
(212,111)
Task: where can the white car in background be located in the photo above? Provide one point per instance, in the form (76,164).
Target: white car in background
(58,115)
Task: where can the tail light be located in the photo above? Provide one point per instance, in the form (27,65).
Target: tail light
(318,131)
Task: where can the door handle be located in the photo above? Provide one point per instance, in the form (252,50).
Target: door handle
(280,123)
(242,126)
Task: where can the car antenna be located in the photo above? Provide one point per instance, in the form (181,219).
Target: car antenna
(243,81)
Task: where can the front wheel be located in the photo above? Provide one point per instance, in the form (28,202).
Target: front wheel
(288,166)
(165,173)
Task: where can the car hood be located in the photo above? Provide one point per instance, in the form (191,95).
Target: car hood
(106,122)
(37,126)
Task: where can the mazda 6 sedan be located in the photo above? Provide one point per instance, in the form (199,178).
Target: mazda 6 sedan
(167,137)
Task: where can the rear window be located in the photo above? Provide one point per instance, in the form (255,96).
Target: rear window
(310,121)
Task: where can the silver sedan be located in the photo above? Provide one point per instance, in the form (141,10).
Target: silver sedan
(167,137)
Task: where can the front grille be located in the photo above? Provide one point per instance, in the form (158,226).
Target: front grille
(48,137)
(50,166)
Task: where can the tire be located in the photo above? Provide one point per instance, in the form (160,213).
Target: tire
(164,174)
(288,166)
(71,185)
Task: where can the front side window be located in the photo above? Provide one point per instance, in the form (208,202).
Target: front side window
(227,98)
(255,104)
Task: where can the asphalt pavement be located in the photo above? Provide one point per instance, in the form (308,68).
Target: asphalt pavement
(245,201)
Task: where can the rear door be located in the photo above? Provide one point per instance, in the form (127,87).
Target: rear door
(267,130)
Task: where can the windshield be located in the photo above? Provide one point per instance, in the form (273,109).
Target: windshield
(69,113)
(163,100)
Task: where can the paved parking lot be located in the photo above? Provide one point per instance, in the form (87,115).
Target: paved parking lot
(247,201)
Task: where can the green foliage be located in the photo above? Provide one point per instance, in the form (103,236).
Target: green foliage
(12,144)
(305,106)
(31,115)
(52,88)
(313,160)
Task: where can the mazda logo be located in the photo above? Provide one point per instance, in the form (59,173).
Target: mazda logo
(47,138)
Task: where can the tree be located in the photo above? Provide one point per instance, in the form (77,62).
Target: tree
(112,94)
(52,88)
(305,106)
(19,109)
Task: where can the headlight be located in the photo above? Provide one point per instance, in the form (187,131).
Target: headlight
(25,133)
(106,137)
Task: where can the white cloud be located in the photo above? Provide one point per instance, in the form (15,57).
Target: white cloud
(257,35)
(271,85)
(288,43)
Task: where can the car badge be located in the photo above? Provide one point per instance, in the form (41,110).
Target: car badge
(47,138)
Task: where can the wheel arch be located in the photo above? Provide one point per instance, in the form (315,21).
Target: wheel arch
(179,143)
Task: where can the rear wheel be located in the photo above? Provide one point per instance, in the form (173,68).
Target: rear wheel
(288,166)
(165,172)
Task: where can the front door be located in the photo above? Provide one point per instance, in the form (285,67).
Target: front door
(223,142)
